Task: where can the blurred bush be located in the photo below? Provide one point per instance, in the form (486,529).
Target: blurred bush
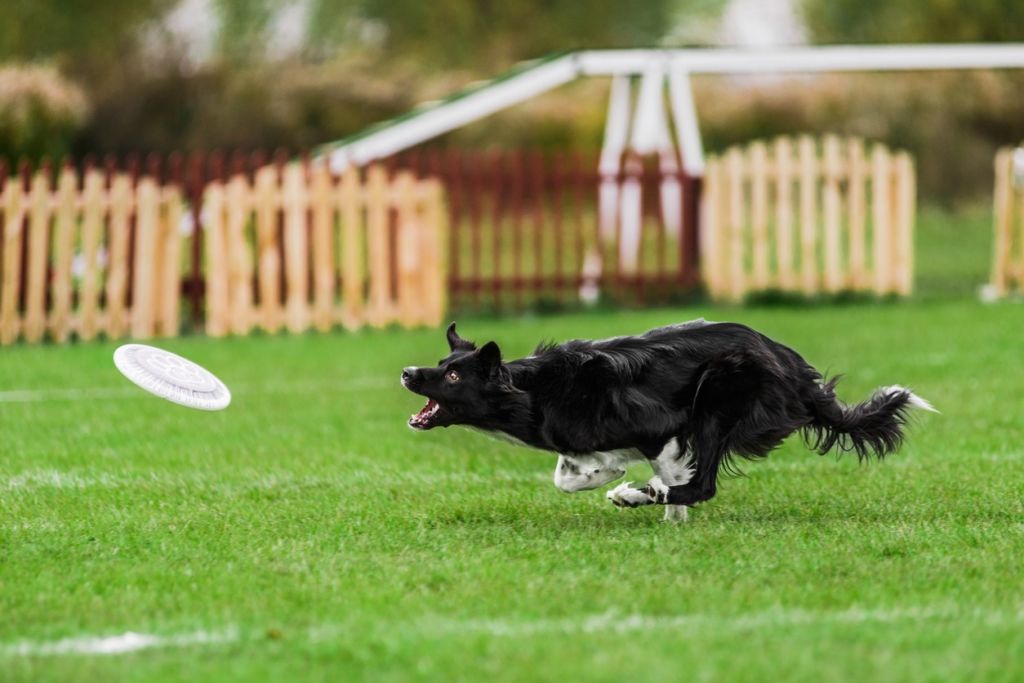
(914,21)
(280,104)
(361,61)
(40,112)
(951,122)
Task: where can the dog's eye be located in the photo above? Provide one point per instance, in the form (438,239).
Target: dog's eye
(452,376)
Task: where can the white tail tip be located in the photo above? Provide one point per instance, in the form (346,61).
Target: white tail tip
(913,399)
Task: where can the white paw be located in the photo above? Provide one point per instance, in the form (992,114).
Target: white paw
(675,513)
(658,488)
(625,496)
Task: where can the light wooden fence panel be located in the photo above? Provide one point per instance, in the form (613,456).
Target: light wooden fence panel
(835,218)
(293,247)
(268,253)
(354,253)
(76,239)
(1008,253)
(352,250)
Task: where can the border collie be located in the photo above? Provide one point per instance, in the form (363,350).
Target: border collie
(686,398)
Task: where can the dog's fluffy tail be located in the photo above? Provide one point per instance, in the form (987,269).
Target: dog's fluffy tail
(872,427)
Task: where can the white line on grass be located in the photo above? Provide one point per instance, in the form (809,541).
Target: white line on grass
(116,645)
(434,627)
(128,392)
(28,480)
(614,622)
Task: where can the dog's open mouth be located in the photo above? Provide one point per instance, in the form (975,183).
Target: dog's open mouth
(426,418)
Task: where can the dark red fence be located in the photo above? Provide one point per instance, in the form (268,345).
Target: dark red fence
(525,228)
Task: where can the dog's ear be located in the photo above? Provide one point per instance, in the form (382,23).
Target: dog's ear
(490,357)
(457,343)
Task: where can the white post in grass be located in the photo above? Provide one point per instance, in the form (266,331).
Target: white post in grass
(684,115)
(650,135)
(616,131)
(648,116)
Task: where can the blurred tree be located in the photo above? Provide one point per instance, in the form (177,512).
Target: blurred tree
(243,28)
(75,33)
(482,35)
(301,72)
(914,21)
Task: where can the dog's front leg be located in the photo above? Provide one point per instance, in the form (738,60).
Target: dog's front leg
(625,496)
(674,466)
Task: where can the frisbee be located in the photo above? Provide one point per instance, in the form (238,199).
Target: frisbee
(171,377)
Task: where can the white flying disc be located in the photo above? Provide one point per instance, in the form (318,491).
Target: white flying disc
(172,377)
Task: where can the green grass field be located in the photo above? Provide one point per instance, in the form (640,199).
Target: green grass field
(305,532)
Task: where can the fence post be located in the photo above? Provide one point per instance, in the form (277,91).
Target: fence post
(92,230)
(832,203)
(64,234)
(784,212)
(323,246)
(217,301)
(296,245)
(1003,221)
(882,217)
(352,278)
(410,251)
(238,254)
(195,182)
(904,228)
(759,212)
(433,230)
(38,256)
(14,220)
(857,198)
(689,242)
(735,223)
(808,215)
(146,223)
(379,309)
(169,262)
(269,255)
(117,274)
(710,225)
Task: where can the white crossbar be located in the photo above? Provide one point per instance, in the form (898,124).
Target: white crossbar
(433,119)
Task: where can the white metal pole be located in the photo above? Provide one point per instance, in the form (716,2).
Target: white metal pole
(616,131)
(684,114)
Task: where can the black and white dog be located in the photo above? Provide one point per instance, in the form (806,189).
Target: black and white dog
(687,398)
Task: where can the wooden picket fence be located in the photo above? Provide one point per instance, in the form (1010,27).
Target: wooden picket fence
(127,276)
(1008,258)
(785,216)
(296,247)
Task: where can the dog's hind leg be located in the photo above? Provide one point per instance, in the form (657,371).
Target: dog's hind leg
(699,465)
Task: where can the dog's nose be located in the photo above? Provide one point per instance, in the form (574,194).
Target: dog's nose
(407,374)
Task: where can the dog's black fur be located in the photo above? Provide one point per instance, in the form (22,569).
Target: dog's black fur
(722,388)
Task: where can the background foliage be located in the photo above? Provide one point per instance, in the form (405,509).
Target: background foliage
(359,61)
